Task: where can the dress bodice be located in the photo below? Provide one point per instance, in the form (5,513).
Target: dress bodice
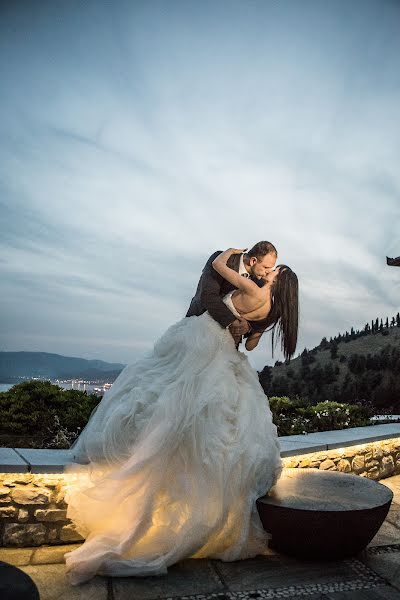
(227,299)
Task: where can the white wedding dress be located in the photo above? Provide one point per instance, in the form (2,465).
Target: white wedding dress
(179,449)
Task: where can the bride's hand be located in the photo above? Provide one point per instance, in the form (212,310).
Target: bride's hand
(237,250)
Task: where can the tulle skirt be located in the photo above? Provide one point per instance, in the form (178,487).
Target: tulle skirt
(177,452)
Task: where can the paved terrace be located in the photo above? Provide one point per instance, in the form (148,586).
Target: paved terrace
(372,575)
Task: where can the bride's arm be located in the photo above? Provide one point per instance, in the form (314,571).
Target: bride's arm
(242,283)
(253,340)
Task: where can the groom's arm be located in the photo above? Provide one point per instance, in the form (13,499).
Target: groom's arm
(210,294)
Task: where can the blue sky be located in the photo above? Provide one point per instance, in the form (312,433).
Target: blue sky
(138,137)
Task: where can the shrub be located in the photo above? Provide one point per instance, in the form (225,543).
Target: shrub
(32,407)
(296,416)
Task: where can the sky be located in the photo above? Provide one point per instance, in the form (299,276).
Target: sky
(136,138)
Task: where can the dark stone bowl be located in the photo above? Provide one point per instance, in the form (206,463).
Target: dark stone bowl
(323,514)
(15,584)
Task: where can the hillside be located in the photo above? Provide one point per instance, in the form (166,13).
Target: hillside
(16,365)
(365,368)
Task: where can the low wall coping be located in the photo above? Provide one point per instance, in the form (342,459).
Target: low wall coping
(339,438)
(43,460)
(12,462)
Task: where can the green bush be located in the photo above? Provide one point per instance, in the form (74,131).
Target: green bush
(56,416)
(40,407)
(296,416)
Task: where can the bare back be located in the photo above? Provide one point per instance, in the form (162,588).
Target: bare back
(253,305)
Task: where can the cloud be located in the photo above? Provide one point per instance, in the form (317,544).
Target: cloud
(135,142)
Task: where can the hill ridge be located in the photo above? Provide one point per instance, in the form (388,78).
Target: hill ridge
(20,364)
(364,368)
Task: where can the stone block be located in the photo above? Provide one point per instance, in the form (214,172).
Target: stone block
(30,495)
(43,460)
(189,578)
(358,463)
(328,465)
(386,564)
(52,534)
(16,556)
(17,479)
(344,465)
(23,515)
(52,582)
(68,533)
(30,534)
(59,499)
(4,494)
(373,473)
(309,464)
(388,534)
(377,453)
(51,514)
(387,465)
(7,512)
(51,485)
(11,462)
(47,555)
(291,463)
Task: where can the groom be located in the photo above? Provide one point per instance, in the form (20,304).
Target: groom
(255,263)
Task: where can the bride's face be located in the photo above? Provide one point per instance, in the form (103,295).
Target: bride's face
(270,277)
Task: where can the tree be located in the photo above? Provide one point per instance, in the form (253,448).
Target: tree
(31,407)
(324,343)
(280,386)
(265,377)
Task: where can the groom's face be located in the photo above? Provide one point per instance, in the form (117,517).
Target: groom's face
(260,267)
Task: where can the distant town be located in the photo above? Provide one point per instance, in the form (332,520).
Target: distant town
(90,386)
(97,387)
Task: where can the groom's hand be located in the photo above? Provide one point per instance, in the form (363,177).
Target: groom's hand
(238,328)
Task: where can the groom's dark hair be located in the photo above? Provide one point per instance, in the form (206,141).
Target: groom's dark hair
(261,249)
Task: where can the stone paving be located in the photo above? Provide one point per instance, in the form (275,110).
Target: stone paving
(372,575)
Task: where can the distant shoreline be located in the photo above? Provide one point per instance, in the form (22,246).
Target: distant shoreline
(89,387)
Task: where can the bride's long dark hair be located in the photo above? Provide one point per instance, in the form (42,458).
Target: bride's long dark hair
(283,318)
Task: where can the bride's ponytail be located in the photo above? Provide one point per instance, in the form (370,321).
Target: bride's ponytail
(283,318)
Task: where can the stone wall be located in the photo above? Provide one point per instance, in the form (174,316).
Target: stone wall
(375,461)
(33,509)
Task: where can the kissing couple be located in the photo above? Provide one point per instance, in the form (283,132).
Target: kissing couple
(175,455)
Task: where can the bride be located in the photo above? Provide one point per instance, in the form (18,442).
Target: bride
(175,455)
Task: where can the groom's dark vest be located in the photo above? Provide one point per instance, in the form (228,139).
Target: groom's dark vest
(211,288)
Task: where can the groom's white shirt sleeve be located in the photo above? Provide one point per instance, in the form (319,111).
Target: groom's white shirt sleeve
(242,268)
